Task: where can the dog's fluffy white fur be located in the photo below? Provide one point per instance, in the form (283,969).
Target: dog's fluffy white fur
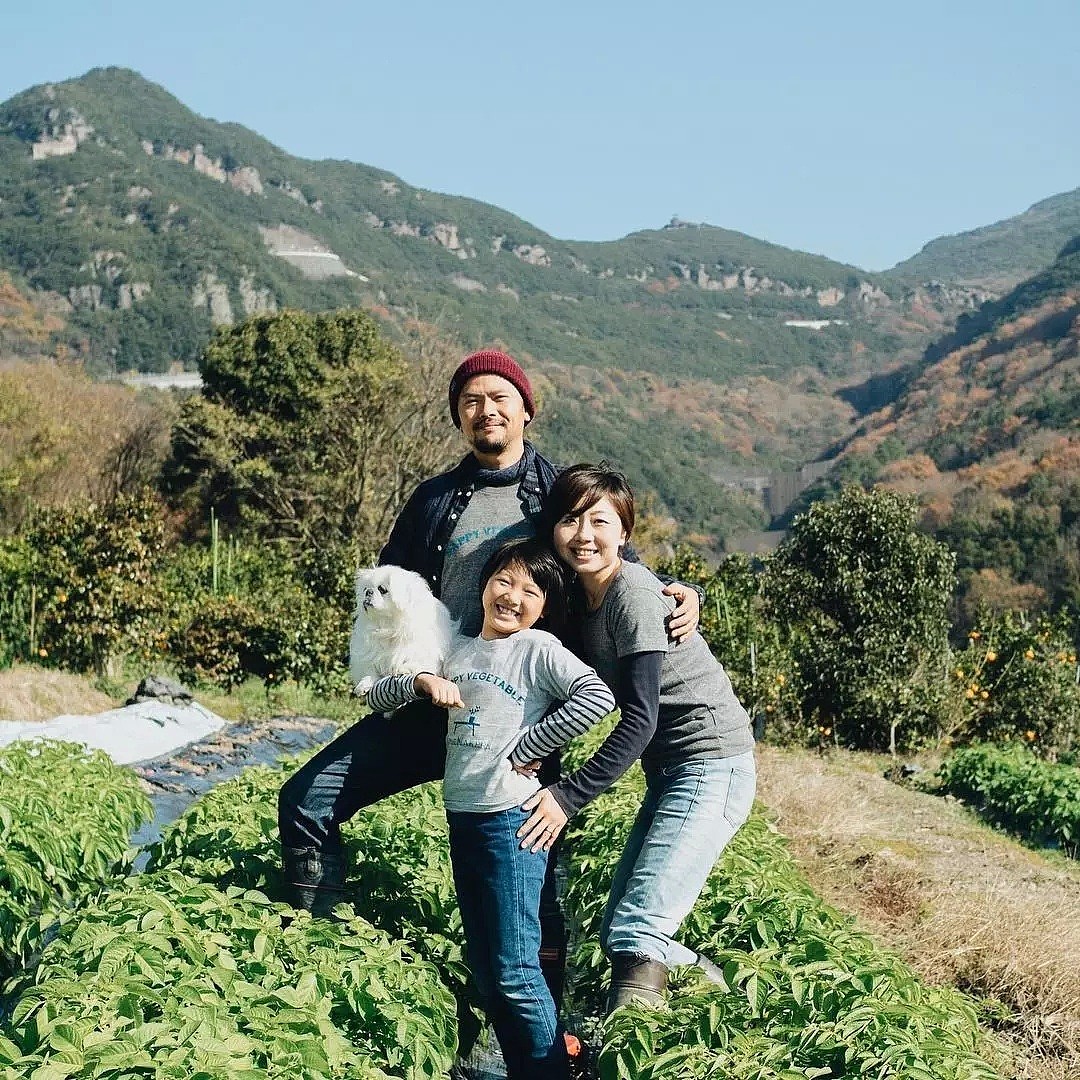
(399,627)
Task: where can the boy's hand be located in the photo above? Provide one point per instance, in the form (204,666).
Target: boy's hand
(683,621)
(442,692)
(530,768)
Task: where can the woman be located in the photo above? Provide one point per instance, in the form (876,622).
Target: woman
(678,713)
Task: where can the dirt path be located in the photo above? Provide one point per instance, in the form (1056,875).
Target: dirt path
(961,903)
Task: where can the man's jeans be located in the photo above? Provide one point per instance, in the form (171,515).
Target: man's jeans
(378,756)
(690,813)
(498,887)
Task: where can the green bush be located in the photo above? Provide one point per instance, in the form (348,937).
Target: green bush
(286,635)
(242,607)
(1038,800)
(863,596)
(94,568)
(16,600)
(1019,680)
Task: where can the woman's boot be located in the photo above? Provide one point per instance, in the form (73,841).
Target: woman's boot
(636,978)
(315,880)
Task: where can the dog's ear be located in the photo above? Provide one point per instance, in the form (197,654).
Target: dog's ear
(411,592)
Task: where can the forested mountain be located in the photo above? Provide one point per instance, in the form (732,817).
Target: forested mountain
(699,358)
(988,435)
(998,256)
(154,222)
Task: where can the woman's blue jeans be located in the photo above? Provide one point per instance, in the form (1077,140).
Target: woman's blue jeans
(690,813)
(498,887)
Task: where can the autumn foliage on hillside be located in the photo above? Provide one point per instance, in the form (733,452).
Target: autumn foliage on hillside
(988,437)
(26,323)
(64,437)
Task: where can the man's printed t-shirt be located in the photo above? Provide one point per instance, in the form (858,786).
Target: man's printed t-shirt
(491,518)
(508,687)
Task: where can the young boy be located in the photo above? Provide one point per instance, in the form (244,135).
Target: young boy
(500,687)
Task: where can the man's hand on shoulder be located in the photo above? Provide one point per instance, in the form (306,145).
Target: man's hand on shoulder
(683,621)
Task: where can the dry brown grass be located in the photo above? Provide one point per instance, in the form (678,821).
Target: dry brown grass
(33,693)
(962,904)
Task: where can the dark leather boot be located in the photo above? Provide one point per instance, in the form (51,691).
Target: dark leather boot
(314,879)
(636,978)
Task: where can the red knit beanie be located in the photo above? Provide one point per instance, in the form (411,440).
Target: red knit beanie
(490,362)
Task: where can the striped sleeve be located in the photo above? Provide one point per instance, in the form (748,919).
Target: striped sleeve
(391,692)
(588,701)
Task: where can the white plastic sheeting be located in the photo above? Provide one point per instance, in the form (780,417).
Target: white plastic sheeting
(132,733)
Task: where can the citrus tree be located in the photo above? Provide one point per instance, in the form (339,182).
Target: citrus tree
(863,595)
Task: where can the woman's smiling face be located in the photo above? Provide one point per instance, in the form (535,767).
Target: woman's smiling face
(588,540)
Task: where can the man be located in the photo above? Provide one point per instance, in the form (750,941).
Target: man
(445,532)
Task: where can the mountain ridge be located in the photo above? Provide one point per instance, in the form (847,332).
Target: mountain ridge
(987,435)
(152,225)
(715,260)
(1000,255)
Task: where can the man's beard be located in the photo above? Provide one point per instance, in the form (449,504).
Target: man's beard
(491,440)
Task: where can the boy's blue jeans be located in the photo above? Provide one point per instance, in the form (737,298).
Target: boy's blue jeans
(498,887)
(690,813)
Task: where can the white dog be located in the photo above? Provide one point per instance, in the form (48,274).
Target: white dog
(399,628)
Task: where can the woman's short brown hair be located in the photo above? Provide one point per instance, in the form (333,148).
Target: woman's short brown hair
(582,486)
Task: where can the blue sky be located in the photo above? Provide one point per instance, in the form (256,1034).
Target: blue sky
(856,130)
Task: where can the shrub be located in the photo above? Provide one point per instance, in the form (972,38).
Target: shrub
(288,635)
(1038,800)
(1018,677)
(864,597)
(64,438)
(94,570)
(16,600)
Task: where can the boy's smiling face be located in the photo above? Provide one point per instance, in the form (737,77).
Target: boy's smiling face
(512,601)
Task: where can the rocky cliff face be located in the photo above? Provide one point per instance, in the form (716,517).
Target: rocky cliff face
(62,131)
(182,223)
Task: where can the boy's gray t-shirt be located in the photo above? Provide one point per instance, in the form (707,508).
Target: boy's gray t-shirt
(699,714)
(506,685)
